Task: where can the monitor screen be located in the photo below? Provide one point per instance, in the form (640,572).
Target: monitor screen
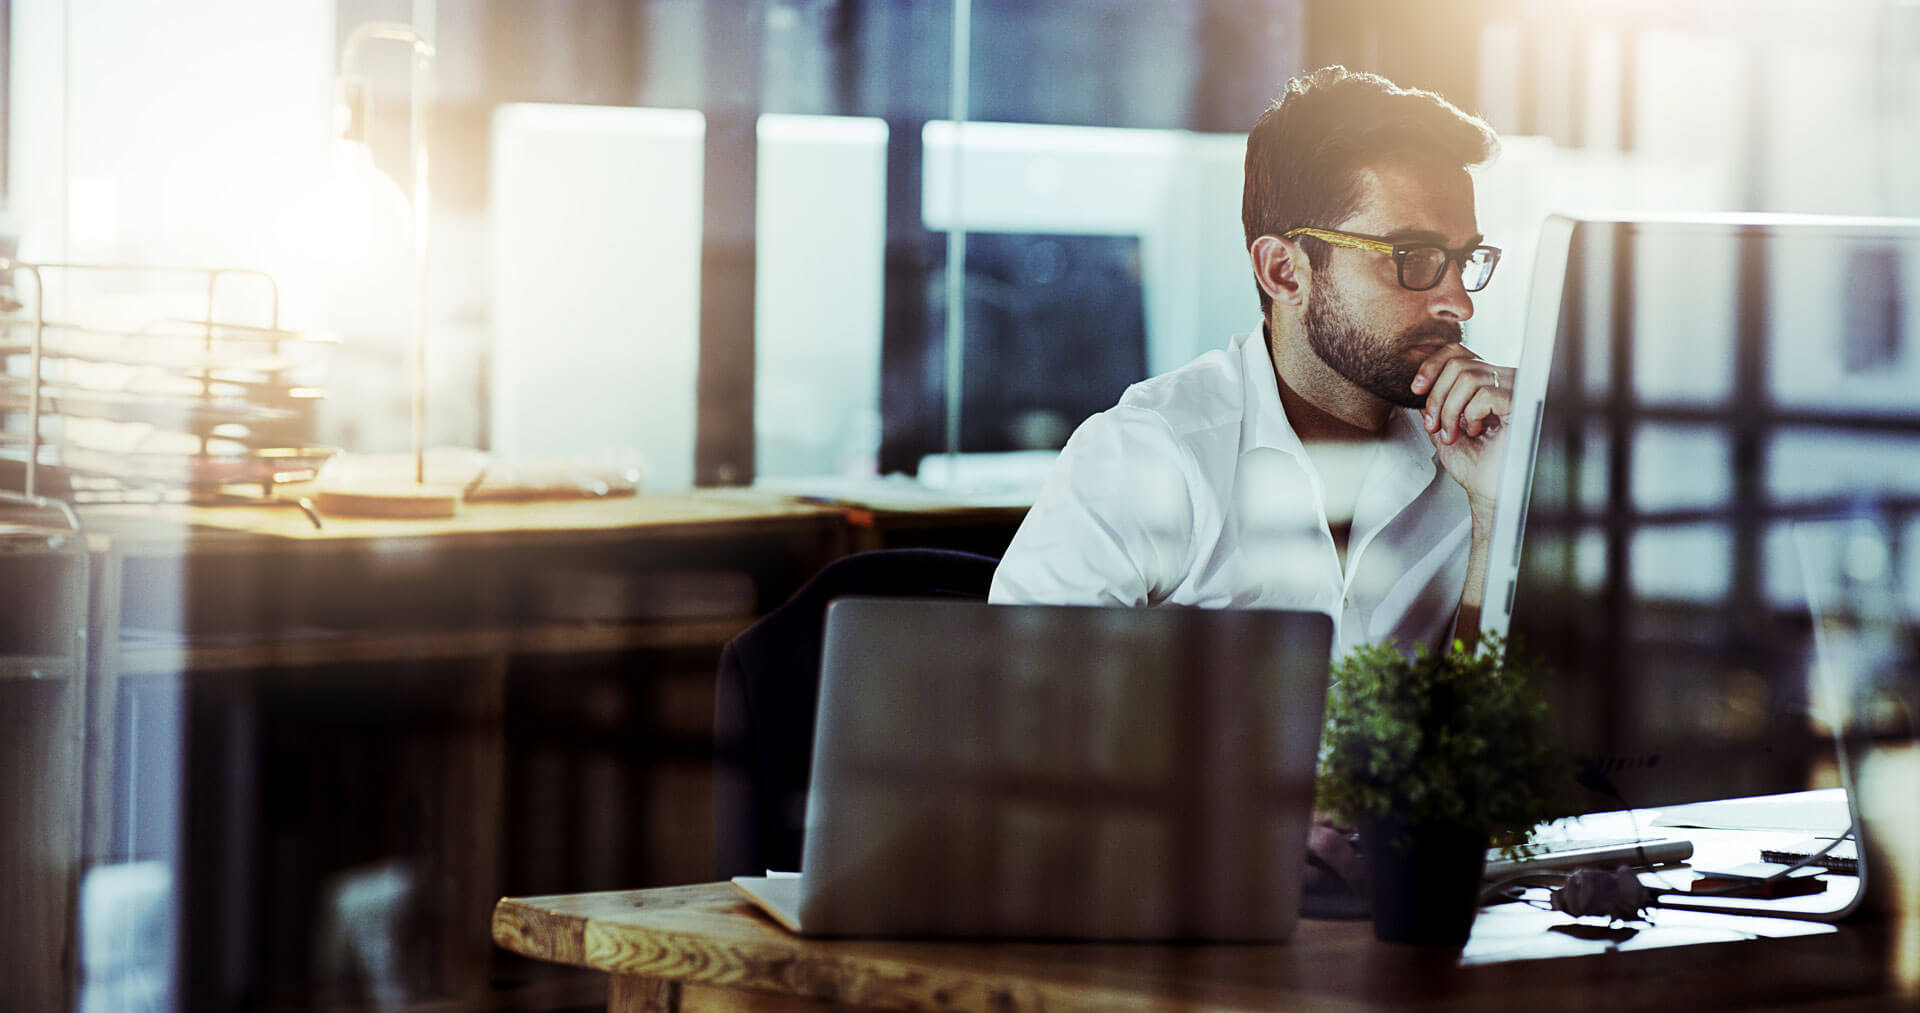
(1055,331)
(1094,257)
(1691,388)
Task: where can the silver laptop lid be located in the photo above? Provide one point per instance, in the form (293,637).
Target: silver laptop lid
(1061,771)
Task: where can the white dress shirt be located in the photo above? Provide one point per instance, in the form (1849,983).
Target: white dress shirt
(1194,490)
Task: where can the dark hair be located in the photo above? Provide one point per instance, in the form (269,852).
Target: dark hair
(1305,153)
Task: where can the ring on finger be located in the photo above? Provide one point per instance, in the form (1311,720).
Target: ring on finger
(1496,379)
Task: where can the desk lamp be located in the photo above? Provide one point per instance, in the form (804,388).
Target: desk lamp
(366,487)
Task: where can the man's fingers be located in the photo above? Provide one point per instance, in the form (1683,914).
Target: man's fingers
(1490,405)
(1470,387)
(1335,851)
(1429,371)
(1449,393)
(1437,374)
(1464,395)
(1481,416)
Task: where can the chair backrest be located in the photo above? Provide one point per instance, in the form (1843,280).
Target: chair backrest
(768,692)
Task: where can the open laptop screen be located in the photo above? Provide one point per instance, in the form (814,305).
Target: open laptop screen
(1689,388)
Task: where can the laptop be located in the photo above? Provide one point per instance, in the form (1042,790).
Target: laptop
(1058,772)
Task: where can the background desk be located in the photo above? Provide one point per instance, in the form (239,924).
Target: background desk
(514,700)
(700,947)
(43,663)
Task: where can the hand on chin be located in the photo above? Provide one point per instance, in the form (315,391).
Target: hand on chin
(1467,404)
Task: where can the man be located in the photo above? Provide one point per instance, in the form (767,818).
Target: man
(1346,457)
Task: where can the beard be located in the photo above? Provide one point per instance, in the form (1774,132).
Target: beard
(1381,365)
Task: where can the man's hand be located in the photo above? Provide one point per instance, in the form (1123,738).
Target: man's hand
(1333,864)
(1469,402)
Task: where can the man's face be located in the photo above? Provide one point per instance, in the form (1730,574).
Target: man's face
(1359,319)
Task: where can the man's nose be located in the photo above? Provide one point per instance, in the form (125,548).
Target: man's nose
(1449,300)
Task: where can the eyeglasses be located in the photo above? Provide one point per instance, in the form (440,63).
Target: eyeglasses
(1422,265)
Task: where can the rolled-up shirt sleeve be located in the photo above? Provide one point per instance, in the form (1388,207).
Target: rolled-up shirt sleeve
(1113,524)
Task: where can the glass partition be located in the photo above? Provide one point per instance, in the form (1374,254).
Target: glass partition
(861,249)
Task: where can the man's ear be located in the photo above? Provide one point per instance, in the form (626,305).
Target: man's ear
(1282,270)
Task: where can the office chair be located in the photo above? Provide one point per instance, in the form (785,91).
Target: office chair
(769,684)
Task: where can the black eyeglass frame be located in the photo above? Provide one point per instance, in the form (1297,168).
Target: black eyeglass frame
(1399,252)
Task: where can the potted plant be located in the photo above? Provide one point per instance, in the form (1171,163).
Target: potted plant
(1434,758)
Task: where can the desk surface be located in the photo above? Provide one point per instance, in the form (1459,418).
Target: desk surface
(685,946)
(663,514)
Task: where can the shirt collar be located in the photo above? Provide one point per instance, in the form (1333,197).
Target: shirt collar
(1407,436)
(1408,454)
(1266,424)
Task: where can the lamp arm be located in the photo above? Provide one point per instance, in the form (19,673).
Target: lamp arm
(421,81)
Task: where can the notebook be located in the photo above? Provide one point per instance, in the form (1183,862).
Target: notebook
(1842,857)
(1058,772)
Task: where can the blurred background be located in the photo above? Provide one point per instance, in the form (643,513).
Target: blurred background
(807,245)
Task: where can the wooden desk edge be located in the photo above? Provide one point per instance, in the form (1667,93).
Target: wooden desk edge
(524,928)
(669,947)
(725,961)
(160,529)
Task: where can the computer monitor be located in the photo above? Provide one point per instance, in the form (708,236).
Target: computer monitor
(820,231)
(1688,388)
(1095,257)
(597,238)
(1114,249)
(1055,331)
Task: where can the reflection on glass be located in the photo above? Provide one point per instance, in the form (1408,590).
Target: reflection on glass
(1690,563)
(1654,576)
(1680,466)
(1809,465)
(1842,333)
(1685,299)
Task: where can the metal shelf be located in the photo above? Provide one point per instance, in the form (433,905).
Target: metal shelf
(167,408)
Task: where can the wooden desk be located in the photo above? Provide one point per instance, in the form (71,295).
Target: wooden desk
(149,529)
(515,699)
(43,663)
(982,529)
(700,947)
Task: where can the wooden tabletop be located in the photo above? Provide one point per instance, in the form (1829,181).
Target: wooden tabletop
(664,515)
(682,947)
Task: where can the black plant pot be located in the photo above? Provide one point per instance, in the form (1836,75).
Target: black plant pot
(1425,880)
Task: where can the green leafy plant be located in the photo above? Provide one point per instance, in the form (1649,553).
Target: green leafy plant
(1460,737)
